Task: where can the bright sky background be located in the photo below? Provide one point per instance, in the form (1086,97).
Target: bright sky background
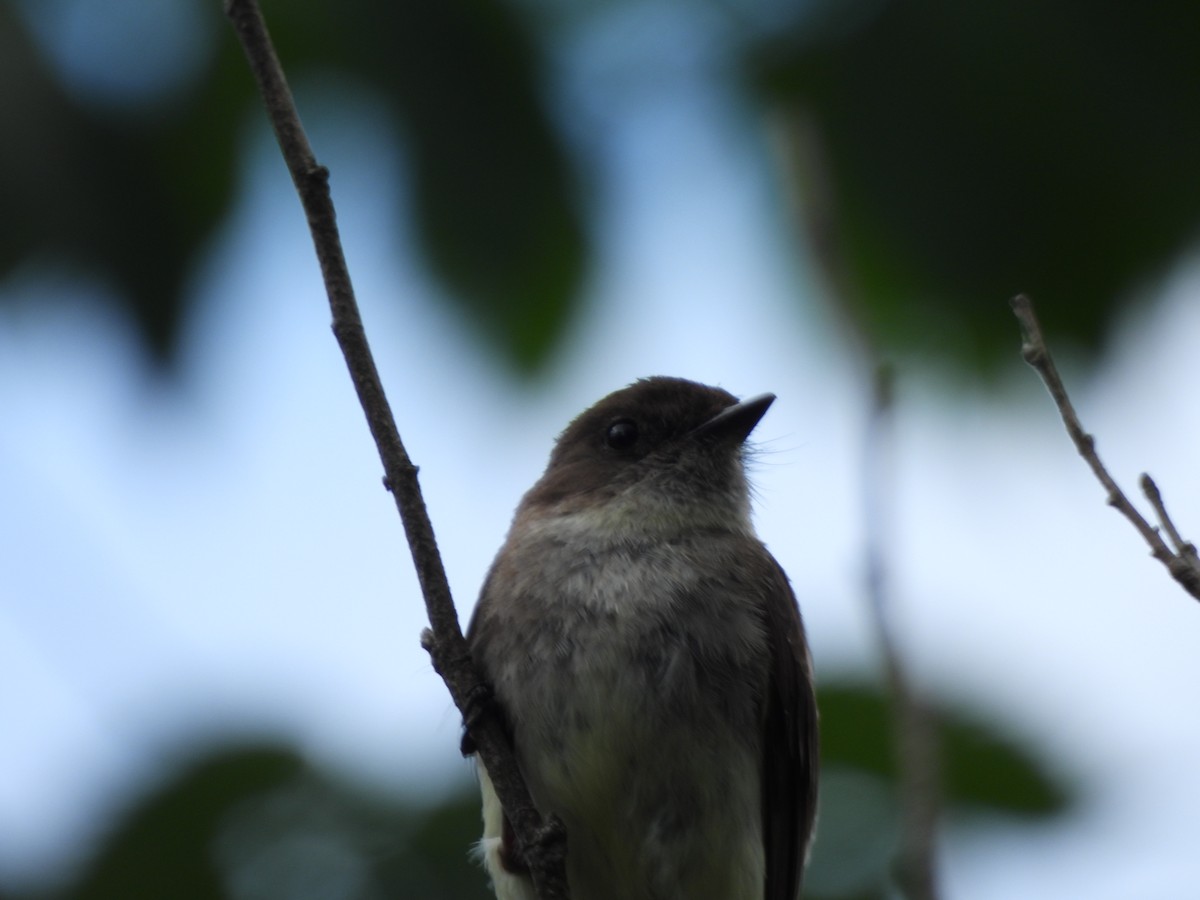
(223,553)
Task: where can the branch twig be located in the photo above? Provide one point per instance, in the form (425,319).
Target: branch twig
(913,724)
(542,844)
(1181,563)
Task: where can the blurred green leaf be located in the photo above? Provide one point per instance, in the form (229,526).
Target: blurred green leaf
(441,842)
(163,846)
(257,823)
(973,151)
(125,197)
(494,190)
(857,835)
(983,767)
(496,197)
(132,197)
(969,152)
(856,728)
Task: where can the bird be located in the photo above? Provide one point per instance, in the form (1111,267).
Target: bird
(647,657)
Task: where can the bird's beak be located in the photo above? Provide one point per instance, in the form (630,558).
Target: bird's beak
(734,423)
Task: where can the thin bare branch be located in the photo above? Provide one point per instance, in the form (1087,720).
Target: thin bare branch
(916,738)
(1154,495)
(542,844)
(1183,566)
(1186,564)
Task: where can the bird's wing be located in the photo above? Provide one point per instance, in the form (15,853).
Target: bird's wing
(789,744)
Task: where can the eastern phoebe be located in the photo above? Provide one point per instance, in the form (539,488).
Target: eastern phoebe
(647,656)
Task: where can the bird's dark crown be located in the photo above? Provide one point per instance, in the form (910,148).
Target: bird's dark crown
(642,436)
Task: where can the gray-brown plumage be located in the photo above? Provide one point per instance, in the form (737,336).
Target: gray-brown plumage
(648,656)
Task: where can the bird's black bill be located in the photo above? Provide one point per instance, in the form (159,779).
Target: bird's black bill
(734,423)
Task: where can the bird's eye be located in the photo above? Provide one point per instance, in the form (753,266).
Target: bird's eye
(622,434)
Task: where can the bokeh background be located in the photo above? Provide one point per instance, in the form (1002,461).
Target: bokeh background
(210,677)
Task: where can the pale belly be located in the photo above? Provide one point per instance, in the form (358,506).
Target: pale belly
(648,752)
(635,697)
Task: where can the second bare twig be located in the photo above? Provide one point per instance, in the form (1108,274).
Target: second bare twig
(917,751)
(1182,563)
